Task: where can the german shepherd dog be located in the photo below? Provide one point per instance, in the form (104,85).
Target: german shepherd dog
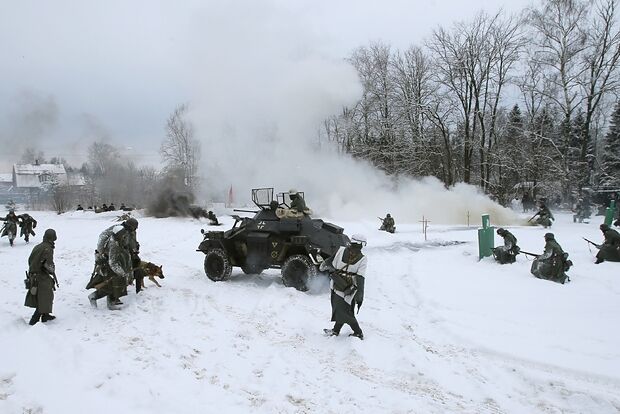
(151,270)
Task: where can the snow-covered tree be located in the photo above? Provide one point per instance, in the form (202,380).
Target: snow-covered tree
(610,164)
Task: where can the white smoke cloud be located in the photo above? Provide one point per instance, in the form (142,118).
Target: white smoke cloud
(263,89)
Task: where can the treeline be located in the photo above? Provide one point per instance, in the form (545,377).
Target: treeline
(503,102)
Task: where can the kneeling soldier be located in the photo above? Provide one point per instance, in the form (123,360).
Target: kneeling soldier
(610,249)
(509,251)
(553,263)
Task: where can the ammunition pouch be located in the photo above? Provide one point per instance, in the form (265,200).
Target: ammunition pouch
(343,282)
(31,284)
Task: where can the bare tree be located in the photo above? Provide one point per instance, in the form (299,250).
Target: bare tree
(179,149)
(473,63)
(103,158)
(600,71)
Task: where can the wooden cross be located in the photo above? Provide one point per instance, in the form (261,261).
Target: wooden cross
(424,222)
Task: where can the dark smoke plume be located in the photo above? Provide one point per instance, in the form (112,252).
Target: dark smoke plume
(174,199)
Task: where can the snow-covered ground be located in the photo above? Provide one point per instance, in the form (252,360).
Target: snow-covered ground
(444,332)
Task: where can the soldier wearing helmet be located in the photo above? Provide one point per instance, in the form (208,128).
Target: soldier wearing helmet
(347,270)
(509,251)
(553,263)
(388,224)
(610,249)
(42,282)
(298,204)
(116,252)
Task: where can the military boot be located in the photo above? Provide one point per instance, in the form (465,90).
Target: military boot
(330,332)
(92,298)
(35,318)
(111,303)
(359,335)
(47,317)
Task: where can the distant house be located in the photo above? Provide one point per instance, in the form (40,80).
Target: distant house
(38,175)
(28,182)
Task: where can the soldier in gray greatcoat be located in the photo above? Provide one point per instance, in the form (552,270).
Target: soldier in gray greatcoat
(27,224)
(509,251)
(544,216)
(347,268)
(553,263)
(610,249)
(42,281)
(10,226)
(113,263)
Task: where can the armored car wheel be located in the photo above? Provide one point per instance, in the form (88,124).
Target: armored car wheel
(297,270)
(217,265)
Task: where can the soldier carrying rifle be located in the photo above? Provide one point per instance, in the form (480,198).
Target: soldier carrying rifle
(387,224)
(347,270)
(544,216)
(509,251)
(610,249)
(553,263)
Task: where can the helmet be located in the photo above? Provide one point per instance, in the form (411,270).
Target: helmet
(604,227)
(549,236)
(131,223)
(501,231)
(388,215)
(292,192)
(49,235)
(358,239)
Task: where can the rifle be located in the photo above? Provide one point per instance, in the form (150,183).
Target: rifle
(380,219)
(598,246)
(532,218)
(529,254)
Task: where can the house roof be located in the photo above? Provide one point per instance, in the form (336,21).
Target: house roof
(37,169)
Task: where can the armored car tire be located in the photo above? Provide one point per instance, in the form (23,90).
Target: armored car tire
(297,270)
(217,265)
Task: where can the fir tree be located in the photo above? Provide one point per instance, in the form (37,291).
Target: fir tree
(610,163)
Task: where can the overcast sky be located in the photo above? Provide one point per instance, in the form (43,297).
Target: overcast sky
(74,71)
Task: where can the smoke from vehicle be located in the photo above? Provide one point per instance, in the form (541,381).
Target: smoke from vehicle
(269,88)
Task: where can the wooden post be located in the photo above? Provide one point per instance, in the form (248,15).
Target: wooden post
(424,222)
